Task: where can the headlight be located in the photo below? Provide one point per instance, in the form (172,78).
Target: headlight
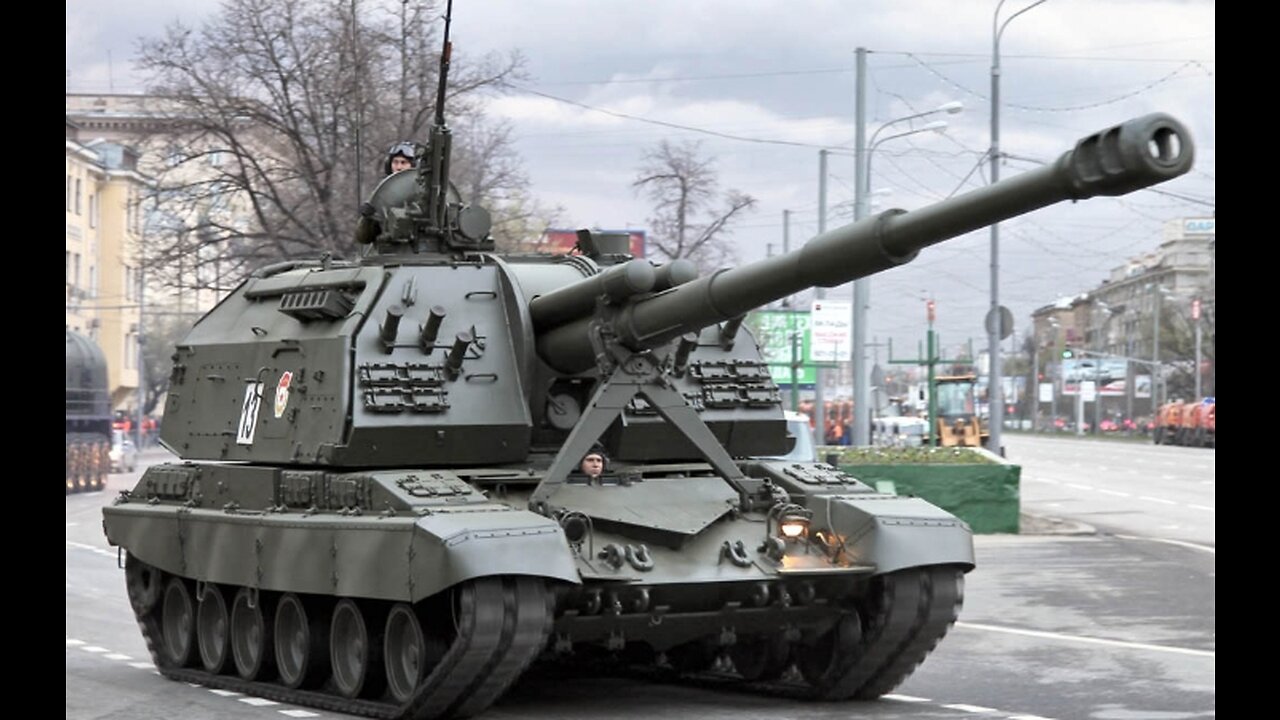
(792,521)
(794,527)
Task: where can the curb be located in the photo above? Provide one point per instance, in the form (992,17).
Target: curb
(1031,524)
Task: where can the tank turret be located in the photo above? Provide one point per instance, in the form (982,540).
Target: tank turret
(380,508)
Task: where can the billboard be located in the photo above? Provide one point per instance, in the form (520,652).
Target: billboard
(1107,373)
(774,330)
(832,337)
(562,242)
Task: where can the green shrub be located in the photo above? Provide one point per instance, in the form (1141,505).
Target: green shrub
(906,456)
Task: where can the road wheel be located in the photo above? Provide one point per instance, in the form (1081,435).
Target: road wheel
(143,584)
(405,652)
(251,647)
(212,631)
(178,624)
(822,661)
(354,653)
(300,644)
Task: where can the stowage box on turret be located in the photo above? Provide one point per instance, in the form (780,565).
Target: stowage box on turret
(379,512)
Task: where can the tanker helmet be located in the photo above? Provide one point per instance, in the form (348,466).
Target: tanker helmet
(406,149)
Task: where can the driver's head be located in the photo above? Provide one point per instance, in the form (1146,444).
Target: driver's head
(593,463)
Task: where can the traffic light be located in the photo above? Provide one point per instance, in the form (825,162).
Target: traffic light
(1068,353)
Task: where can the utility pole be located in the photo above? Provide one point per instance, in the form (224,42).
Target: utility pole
(786,246)
(820,293)
(861,287)
(142,365)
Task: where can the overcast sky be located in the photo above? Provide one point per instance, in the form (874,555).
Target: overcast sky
(784,71)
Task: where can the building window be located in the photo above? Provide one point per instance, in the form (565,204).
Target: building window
(68,193)
(76,276)
(77,196)
(93,210)
(93,281)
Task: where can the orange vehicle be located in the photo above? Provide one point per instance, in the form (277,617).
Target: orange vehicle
(1187,423)
(1168,423)
(959,424)
(1200,428)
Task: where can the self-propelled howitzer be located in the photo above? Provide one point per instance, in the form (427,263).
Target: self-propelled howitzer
(395,527)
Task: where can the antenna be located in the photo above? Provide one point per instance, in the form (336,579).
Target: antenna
(444,65)
(437,160)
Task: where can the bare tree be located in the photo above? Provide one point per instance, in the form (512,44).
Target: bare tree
(489,175)
(278,110)
(689,220)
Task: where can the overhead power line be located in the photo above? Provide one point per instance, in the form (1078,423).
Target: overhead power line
(664,123)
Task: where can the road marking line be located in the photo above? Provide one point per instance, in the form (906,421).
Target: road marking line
(258,702)
(969,708)
(142,665)
(71,642)
(299,713)
(1181,543)
(1078,486)
(1162,501)
(118,656)
(225,693)
(94,649)
(1027,717)
(1203,507)
(1093,641)
(1117,493)
(905,698)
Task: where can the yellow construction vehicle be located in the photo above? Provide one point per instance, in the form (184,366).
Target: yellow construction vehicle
(959,424)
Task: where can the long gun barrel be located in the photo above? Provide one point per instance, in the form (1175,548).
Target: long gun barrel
(1119,160)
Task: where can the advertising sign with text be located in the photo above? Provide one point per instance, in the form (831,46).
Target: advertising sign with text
(831,336)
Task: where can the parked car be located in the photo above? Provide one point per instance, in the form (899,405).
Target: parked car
(124,454)
(899,431)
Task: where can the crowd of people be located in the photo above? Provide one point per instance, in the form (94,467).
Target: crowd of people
(144,434)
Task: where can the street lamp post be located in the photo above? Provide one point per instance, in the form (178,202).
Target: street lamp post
(1101,345)
(861,208)
(996,402)
(862,286)
(1195,319)
(820,293)
(1157,369)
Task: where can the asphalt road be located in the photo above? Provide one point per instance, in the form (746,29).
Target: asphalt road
(1114,618)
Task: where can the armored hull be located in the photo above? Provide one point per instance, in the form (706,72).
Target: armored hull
(410,593)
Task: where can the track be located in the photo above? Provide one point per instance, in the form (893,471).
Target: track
(498,625)
(489,631)
(878,644)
